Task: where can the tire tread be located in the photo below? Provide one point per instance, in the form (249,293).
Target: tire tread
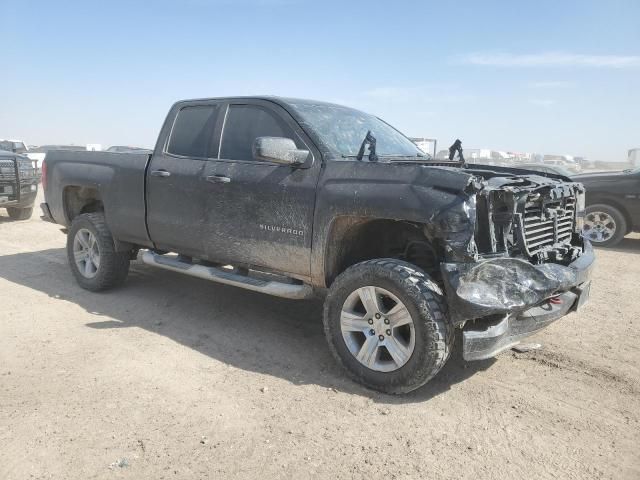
(16,213)
(435,321)
(114,265)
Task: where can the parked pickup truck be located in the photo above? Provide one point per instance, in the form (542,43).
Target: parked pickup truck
(613,205)
(291,197)
(19,180)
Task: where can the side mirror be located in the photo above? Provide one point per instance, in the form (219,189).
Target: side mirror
(278,150)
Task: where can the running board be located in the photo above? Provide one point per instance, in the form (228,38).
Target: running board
(278,289)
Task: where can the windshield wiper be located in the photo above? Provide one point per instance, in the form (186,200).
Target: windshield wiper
(415,155)
(456,148)
(371,141)
(420,156)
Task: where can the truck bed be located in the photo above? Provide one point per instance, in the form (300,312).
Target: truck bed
(118,177)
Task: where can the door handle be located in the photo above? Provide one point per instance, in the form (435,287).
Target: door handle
(160,173)
(218,179)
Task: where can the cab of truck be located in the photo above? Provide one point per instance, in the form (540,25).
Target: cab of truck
(14,146)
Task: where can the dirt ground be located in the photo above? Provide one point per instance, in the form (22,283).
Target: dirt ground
(175,377)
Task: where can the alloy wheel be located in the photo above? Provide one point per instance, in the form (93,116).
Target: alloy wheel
(377,328)
(86,253)
(599,227)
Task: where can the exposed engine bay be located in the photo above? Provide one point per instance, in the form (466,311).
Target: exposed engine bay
(530,216)
(516,259)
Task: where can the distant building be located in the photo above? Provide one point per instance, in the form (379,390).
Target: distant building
(427,145)
(487,156)
(561,158)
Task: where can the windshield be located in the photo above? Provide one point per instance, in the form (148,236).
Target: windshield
(343,130)
(16,147)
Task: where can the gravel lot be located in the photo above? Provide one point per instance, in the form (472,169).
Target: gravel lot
(174,377)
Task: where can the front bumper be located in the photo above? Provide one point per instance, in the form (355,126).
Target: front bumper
(509,299)
(9,196)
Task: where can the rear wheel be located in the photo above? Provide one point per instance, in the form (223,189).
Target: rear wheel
(91,252)
(604,226)
(385,321)
(20,213)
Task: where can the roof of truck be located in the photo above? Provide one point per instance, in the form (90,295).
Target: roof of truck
(306,101)
(273,98)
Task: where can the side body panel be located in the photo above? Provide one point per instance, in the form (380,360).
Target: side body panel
(176,202)
(414,193)
(262,214)
(119,179)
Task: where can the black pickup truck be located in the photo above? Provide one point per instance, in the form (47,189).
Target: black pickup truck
(19,180)
(613,205)
(291,197)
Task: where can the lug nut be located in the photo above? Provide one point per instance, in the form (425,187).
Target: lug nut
(377,315)
(388,332)
(386,321)
(371,321)
(372,332)
(380,337)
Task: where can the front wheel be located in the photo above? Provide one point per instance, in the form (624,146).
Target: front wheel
(91,252)
(604,225)
(385,321)
(20,213)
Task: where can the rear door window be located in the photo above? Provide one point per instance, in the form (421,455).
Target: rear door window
(245,123)
(192,133)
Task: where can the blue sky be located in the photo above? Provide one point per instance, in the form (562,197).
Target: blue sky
(544,76)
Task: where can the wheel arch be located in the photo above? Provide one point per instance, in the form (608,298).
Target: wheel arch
(77,200)
(355,239)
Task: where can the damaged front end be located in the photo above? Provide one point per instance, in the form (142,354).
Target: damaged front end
(518,264)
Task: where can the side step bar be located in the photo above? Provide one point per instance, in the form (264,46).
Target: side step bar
(270,287)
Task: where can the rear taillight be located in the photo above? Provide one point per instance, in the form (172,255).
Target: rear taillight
(44,175)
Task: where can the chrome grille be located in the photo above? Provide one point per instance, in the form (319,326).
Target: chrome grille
(547,222)
(7,170)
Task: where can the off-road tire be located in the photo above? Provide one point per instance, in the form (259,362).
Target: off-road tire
(618,217)
(434,334)
(114,266)
(20,213)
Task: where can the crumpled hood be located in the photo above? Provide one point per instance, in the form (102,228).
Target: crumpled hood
(498,177)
